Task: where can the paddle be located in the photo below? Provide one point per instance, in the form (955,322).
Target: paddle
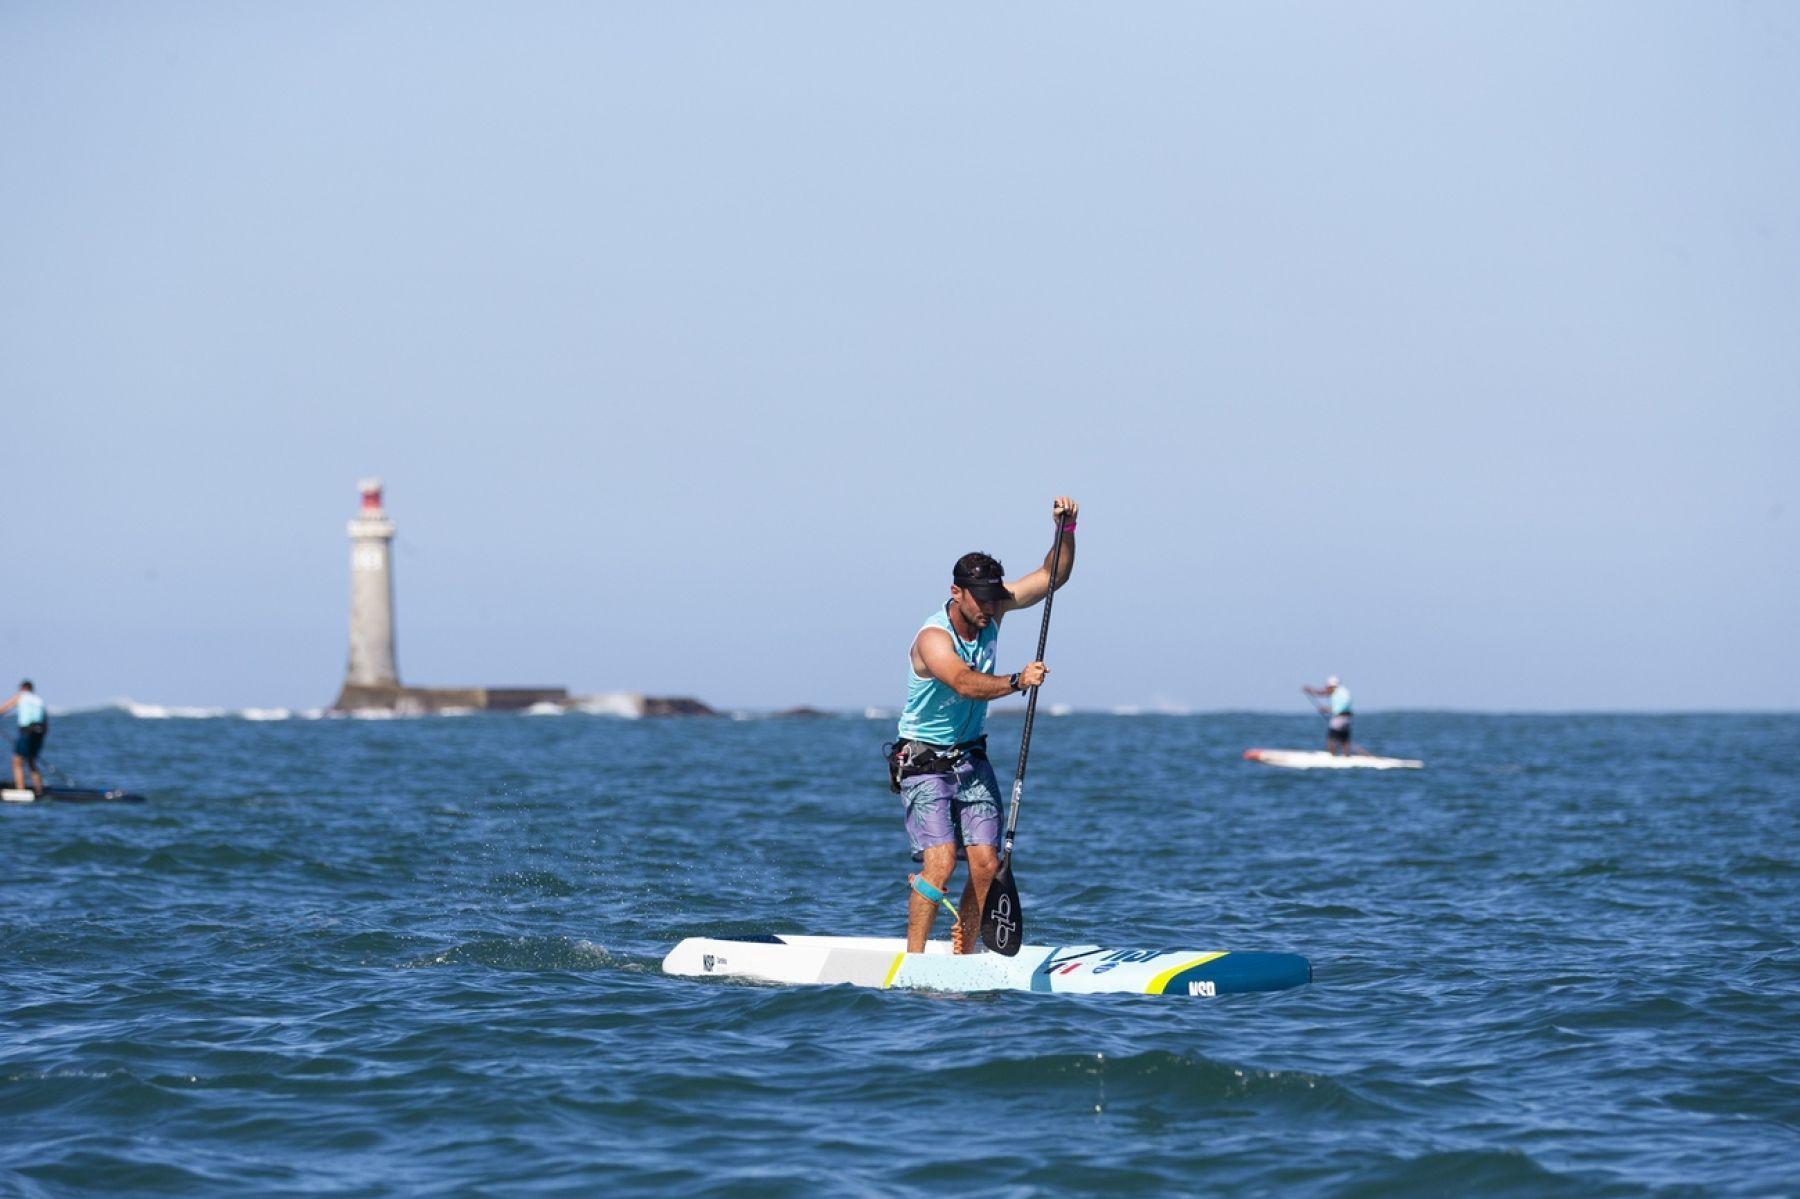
(1002,919)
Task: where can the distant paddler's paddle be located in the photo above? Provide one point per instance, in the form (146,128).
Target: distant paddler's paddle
(1002,919)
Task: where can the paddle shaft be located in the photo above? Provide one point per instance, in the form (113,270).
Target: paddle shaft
(1018,790)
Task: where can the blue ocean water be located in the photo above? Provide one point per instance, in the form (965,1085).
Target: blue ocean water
(421,956)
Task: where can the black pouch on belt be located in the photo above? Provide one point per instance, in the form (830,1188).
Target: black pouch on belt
(908,759)
(895,753)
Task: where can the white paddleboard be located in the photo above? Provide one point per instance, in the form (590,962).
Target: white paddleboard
(69,795)
(1085,969)
(1318,759)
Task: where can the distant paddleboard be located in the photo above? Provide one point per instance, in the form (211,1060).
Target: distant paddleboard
(1083,969)
(69,795)
(1318,759)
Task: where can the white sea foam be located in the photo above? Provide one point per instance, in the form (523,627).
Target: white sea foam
(143,711)
(170,711)
(545,708)
(614,703)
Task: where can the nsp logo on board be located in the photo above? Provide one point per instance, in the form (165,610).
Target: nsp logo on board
(1203,987)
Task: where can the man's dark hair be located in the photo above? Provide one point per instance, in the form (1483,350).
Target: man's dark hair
(24,684)
(977,568)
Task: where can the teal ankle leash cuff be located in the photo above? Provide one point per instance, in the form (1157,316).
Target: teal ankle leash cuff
(930,892)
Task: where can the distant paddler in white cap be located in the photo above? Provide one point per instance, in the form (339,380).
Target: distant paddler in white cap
(1337,712)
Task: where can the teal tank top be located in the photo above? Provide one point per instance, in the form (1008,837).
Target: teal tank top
(935,713)
(1340,701)
(30,709)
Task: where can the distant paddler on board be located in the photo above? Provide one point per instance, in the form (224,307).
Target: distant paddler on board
(34,722)
(940,765)
(1338,714)
(1340,753)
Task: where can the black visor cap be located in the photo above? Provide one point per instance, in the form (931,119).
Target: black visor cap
(983,588)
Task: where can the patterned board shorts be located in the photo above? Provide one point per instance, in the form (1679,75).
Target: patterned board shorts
(960,807)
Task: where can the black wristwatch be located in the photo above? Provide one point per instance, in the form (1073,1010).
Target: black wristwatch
(1014,681)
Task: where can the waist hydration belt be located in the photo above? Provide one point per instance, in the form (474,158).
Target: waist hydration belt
(909,759)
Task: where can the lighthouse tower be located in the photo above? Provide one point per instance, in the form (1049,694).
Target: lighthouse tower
(371,680)
(371,595)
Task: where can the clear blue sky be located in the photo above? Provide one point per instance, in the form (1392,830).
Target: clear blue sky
(1454,348)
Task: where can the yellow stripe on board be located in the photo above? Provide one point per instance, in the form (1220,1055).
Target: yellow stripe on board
(1162,980)
(894,969)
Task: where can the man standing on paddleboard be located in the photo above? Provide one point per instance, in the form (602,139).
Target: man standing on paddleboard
(940,764)
(33,721)
(1337,714)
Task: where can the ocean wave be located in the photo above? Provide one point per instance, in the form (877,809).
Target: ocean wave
(1509,1171)
(1156,1075)
(518,953)
(139,710)
(170,711)
(628,706)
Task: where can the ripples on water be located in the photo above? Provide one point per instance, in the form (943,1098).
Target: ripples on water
(421,956)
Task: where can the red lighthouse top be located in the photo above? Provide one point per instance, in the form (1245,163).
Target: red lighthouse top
(371,496)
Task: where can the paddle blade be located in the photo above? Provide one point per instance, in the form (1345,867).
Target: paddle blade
(1002,919)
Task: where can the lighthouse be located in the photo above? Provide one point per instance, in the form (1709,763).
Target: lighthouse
(372,680)
(371,595)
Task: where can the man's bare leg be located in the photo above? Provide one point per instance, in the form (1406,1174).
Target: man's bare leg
(939,865)
(984,860)
(18,772)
